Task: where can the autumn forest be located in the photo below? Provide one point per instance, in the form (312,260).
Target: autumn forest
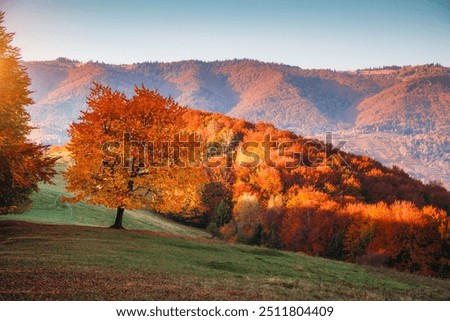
(303,196)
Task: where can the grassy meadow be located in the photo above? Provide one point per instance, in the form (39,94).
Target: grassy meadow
(51,262)
(59,251)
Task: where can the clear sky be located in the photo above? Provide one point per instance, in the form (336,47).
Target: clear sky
(311,34)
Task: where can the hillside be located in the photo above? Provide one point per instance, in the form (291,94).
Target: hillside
(47,208)
(306,199)
(408,106)
(88,263)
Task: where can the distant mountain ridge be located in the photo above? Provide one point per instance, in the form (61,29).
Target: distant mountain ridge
(397,115)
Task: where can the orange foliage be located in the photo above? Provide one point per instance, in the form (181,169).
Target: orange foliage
(340,212)
(109,170)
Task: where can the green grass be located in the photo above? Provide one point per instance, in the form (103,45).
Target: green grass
(85,263)
(47,208)
(73,258)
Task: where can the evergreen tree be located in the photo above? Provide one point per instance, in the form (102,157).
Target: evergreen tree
(23,164)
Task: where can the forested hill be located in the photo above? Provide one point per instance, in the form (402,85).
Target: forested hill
(396,115)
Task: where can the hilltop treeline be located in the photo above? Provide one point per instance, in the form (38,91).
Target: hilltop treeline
(309,197)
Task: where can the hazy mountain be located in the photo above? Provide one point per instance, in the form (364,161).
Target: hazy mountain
(397,115)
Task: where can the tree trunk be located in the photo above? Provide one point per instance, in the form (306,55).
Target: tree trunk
(118,223)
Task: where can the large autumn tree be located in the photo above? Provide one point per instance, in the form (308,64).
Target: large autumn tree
(23,164)
(120,151)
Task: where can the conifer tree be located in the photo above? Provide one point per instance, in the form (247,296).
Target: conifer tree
(23,164)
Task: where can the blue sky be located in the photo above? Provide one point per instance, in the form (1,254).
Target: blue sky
(311,34)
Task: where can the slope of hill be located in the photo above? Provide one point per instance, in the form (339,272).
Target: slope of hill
(48,209)
(409,105)
(49,262)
